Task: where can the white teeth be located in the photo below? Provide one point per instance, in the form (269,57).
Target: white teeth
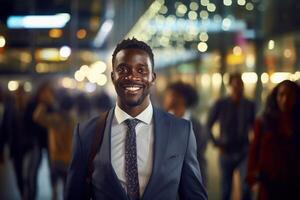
(132,88)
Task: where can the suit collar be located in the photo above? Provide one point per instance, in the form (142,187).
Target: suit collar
(112,178)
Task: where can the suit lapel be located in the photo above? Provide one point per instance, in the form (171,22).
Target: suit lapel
(161,135)
(106,157)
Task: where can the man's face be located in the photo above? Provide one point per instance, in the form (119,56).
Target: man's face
(237,88)
(132,77)
(172,101)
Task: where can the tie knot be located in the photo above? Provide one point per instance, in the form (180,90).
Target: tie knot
(131,123)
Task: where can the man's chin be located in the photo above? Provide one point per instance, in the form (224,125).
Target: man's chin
(132,103)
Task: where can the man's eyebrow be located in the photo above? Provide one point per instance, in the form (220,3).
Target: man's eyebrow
(143,64)
(122,64)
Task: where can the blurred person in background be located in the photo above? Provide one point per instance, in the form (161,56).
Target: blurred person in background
(6,121)
(83,107)
(235,115)
(19,142)
(59,123)
(101,102)
(37,136)
(274,156)
(179,99)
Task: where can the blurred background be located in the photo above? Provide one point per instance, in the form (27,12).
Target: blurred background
(195,41)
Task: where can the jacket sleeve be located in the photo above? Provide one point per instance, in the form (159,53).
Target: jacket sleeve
(212,118)
(76,186)
(191,186)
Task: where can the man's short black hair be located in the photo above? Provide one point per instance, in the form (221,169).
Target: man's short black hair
(133,44)
(187,91)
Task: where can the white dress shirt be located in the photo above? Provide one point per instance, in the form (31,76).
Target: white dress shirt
(144,142)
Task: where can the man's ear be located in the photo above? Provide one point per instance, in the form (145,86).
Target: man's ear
(112,76)
(153,78)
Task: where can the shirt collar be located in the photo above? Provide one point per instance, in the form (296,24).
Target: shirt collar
(187,115)
(145,116)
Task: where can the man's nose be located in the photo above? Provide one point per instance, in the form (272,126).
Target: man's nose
(132,75)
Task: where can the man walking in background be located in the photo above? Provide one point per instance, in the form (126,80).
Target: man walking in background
(236,116)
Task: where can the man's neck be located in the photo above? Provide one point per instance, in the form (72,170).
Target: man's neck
(236,99)
(134,111)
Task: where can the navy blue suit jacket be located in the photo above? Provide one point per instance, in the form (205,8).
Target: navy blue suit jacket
(175,169)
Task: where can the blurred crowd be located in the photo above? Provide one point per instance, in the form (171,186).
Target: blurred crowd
(44,120)
(264,148)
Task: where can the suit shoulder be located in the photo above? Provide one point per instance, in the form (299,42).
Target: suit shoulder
(173,118)
(88,128)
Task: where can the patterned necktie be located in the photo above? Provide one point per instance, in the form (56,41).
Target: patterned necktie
(131,169)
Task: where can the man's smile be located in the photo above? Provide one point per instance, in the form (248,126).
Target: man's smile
(132,88)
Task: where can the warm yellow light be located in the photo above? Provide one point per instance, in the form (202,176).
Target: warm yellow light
(205,80)
(237,50)
(98,67)
(264,78)
(241,2)
(28,86)
(102,79)
(13,85)
(271,44)
(79,76)
(250,60)
(249,6)
(55,33)
(227,2)
(163,9)
(68,83)
(2,41)
(92,76)
(192,15)
(216,80)
(296,76)
(41,67)
(203,14)
(182,9)
(277,77)
(234,59)
(204,2)
(211,7)
(48,54)
(202,47)
(194,6)
(226,78)
(25,57)
(84,69)
(203,37)
(287,53)
(249,77)
(81,33)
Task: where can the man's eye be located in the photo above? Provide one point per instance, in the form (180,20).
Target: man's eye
(142,70)
(122,70)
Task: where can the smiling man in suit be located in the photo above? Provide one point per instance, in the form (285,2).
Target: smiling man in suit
(146,153)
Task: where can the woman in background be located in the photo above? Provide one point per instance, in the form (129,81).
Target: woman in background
(274,157)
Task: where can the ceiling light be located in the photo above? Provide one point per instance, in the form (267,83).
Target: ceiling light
(38,21)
